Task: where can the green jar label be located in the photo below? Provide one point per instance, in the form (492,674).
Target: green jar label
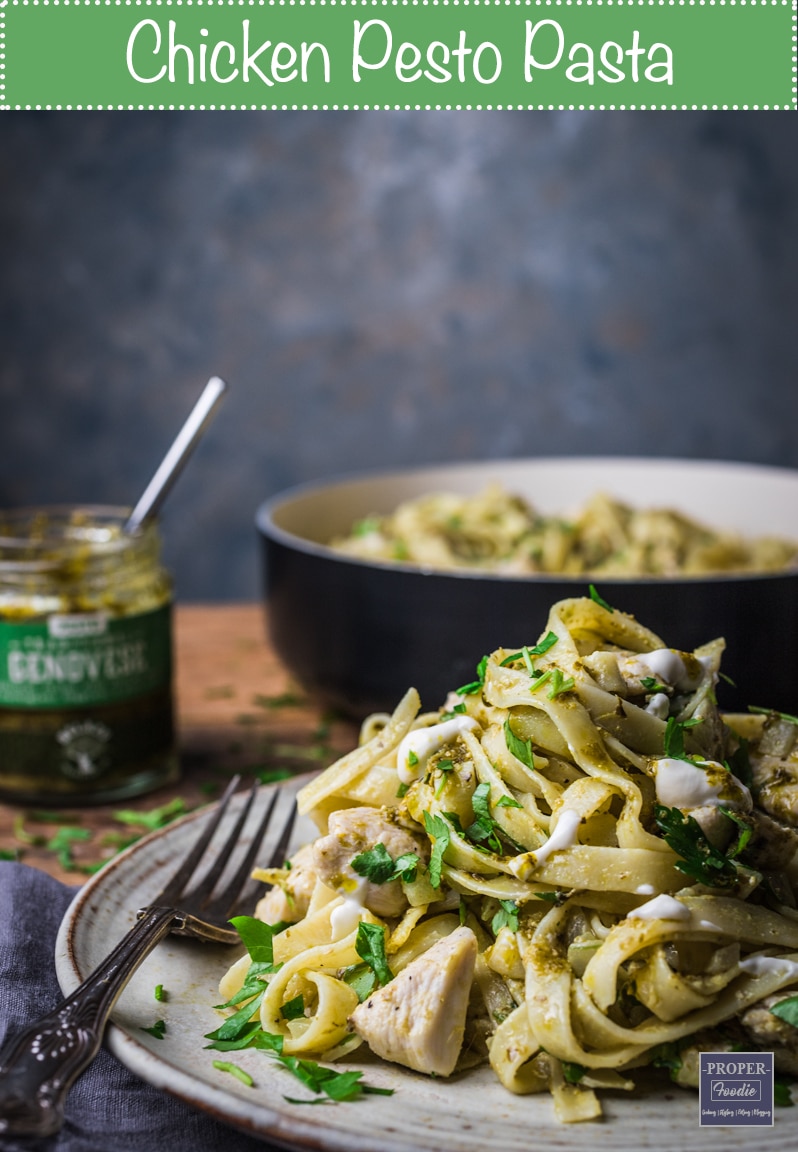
(81,659)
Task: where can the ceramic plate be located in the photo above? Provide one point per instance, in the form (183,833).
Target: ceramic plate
(465,1114)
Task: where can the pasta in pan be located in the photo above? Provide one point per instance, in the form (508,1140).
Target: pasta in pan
(577,868)
(497,531)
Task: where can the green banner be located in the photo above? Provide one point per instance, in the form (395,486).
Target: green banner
(82,659)
(417,54)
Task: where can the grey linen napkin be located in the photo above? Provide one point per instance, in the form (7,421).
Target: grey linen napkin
(109,1109)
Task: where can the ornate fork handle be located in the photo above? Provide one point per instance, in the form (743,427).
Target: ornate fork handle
(38,1067)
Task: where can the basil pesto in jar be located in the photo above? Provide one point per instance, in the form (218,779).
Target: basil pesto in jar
(85,657)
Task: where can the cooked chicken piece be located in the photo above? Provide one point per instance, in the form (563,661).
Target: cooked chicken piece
(770,1034)
(419,1018)
(353,831)
(288,900)
(773,845)
(775,785)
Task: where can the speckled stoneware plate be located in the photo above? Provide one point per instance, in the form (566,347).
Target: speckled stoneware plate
(466,1114)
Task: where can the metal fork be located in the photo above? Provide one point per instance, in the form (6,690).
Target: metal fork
(38,1067)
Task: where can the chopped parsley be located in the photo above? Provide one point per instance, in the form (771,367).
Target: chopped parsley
(234,1070)
(674,737)
(782,1097)
(370,947)
(699,859)
(548,641)
(237,1030)
(377,865)
(745,833)
(597,599)
(444,766)
(458,710)
(361,979)
(483,829)
(158,1029)
(668,1055)
(521,749)
(62,844)
(739,763)
(251,1035)
(285,699)
(557,683)
(787,1010)
(272,775)
(438,829)
(772,712)
(155,817)
(257,938)
(506,917)
(485,832)
(652,685)
(366,526)
(573,1073)
(293,1009)
(326,1082)
(476,685)
(508,802)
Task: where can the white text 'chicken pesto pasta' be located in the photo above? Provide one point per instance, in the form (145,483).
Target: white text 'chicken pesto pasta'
(577,868)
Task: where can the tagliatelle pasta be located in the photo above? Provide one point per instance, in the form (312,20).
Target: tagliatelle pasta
(497,531)
(577,868)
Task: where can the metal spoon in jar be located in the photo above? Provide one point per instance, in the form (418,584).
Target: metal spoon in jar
(172,464)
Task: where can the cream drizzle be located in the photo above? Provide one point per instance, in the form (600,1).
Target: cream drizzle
(662,907)
(765,965)
(422,742)
(563,836)
(346,916)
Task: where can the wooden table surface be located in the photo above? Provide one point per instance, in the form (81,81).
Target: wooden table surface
(237,710)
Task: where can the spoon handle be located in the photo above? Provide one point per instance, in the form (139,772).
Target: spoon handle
(171,465)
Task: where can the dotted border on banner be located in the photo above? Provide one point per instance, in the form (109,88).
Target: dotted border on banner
(399,3)
(5,107)
(4,4)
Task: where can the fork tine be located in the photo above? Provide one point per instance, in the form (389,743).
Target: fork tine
(235,893)
(202,891)
(178,882)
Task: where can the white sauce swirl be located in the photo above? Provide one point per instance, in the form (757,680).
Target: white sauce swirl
(346,917)
(563,836)
(765,965)
(663,664)
(659,706)
(662,907)
(418,745)
(680,784)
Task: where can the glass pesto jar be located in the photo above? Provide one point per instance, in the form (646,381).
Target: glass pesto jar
(86,710)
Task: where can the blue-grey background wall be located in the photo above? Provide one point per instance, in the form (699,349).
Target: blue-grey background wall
(385,289)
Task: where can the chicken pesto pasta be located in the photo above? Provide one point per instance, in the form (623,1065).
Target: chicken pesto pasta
(575,869)
(498,531)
